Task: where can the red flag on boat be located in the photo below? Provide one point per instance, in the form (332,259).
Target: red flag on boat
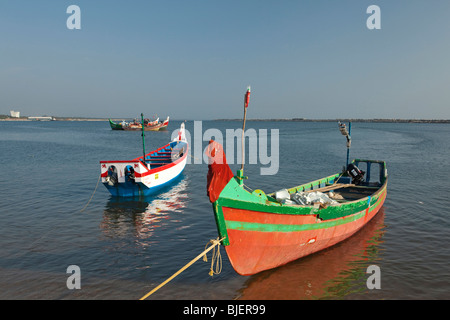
(247,97)
(219,172)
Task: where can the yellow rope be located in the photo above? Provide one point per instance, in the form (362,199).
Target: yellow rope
(215,257)
(215,243)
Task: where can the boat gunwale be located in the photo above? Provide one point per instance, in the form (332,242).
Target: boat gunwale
(274,205)
(222,227)
(257,203)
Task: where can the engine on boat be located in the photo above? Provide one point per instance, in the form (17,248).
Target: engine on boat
(111,178)
(356,174)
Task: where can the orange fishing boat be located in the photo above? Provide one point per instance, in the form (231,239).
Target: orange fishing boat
(262,231)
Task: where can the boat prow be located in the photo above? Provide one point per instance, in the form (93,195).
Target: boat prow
(114,125)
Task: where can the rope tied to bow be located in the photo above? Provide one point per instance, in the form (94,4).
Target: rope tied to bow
(216,258)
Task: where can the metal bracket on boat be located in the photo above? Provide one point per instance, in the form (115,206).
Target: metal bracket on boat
(240,176)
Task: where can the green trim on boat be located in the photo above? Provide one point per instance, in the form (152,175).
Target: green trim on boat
(235,196)
(220,223)
(267,227)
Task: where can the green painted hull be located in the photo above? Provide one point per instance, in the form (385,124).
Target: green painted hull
(115,126)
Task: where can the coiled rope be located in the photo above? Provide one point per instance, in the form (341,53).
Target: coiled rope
(216,257)
(217,268)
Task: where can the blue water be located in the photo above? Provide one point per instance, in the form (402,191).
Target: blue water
(53,215)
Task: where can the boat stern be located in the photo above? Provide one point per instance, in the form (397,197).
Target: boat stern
(123,178)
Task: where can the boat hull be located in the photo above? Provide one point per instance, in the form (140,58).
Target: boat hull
(142,189)
(147,174)
(261,240)
(114,125)
(158,127)
(132,127)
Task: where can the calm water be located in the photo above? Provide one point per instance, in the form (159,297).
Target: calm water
(126,248)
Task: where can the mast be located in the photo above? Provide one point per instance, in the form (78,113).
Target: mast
(346,133)
(143,138)
(240,173)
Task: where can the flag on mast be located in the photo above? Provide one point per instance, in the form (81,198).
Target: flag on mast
(247,97)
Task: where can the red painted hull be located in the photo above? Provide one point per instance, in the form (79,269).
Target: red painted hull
(252,251)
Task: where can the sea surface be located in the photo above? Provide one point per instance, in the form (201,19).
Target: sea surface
(54,214)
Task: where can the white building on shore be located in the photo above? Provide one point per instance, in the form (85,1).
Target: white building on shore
(15,114)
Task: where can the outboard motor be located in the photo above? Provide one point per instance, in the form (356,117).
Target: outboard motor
(356,174)
(112,176)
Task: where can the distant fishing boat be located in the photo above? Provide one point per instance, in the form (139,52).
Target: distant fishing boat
(149,173)
(262,231)
(135,125)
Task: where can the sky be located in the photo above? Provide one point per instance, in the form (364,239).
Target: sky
(193,60)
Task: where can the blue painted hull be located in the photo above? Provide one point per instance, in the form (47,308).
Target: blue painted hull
(131,189)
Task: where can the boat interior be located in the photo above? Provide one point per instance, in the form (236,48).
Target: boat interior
(165,155)
(360,179)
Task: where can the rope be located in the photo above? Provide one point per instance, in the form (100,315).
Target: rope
(215,243)
(195,158)
(217,269)
(92,194)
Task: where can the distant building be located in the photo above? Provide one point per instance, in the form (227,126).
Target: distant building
(15,114)
(41,118)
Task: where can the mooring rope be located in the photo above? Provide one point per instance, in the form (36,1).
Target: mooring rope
(217,268)
(92,194)
(215,242)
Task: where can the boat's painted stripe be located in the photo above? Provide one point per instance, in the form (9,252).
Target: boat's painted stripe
(152,171)
(139,189)
(380,199)
(268,227)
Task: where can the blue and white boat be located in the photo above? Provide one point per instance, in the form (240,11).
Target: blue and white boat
(147,174)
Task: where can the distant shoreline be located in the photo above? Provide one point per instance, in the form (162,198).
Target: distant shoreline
(240,120)
(348,120)
(61,119)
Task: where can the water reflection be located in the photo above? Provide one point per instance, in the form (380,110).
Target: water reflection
(330,274)
(142,216)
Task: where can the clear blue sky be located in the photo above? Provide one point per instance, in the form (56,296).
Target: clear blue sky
(194,59)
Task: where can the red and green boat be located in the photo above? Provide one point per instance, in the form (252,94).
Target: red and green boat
(263,231)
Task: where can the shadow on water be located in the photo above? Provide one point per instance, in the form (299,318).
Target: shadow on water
(334,273)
